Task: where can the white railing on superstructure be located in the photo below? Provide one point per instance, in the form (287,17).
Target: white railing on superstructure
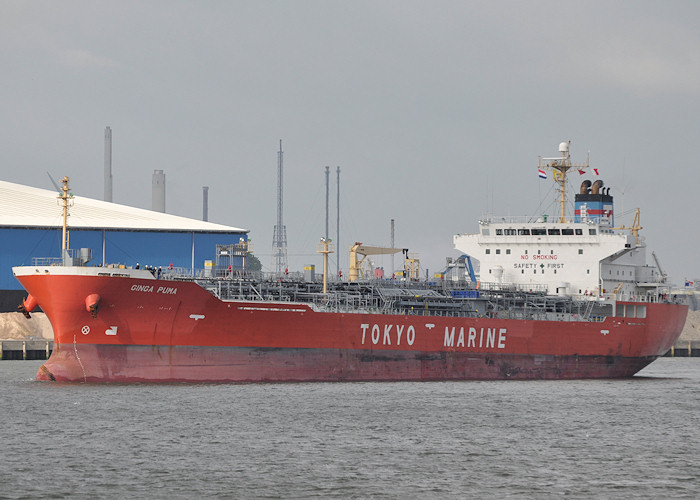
(527,219)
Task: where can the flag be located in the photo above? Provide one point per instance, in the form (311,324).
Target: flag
(688,283)
(581,171)
(543,174)
(556,174)
(596,171)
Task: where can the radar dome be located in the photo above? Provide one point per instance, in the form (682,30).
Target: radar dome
(564,147)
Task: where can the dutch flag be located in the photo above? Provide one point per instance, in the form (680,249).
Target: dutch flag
(543,174)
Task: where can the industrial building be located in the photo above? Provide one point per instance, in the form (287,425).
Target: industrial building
(107,233)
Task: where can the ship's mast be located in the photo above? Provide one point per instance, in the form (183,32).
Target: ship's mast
(325,247)
(66,201)
(560,167)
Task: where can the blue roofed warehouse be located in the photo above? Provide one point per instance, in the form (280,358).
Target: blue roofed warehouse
(112,234)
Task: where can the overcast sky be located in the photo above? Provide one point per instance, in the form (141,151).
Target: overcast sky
(435,111)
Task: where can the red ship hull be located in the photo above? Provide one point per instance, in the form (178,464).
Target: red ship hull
(170,331)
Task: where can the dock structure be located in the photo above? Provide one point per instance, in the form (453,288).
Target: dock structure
(684,349)
(25,349)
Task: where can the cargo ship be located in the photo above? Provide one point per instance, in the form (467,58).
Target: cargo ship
(556,298)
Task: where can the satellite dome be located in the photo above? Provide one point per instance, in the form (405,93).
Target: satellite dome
(564,147)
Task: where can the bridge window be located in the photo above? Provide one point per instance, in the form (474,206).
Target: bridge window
(524,232)
(553,232)
(580,251)
(591,232)
(579,232)
(539,231)
(499,232)
(488,251)
(567,231)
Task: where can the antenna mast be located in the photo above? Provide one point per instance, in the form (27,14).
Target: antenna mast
(279,236)
(325,246)
(560,167)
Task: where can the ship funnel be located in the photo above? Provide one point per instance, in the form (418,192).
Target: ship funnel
(594,204)
(597,185)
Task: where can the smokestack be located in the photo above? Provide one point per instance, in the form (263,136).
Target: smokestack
(205,203)
(108,164)
(337,225)
(158,191)
(391,244)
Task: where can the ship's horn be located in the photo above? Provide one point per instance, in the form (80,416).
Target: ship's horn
(92,304)
(27,306)
(585,187)
(596,186)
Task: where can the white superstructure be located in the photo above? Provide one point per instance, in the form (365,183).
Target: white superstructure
(582,255)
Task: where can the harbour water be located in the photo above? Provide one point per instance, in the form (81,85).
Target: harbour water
(635,438)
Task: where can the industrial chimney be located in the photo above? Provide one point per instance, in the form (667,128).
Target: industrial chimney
(108,164)
(158,191)
(205,203)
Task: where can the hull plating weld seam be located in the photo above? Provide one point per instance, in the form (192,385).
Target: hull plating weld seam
(75,348)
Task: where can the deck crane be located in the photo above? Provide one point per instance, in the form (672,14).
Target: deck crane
(364,251)
(662,274)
